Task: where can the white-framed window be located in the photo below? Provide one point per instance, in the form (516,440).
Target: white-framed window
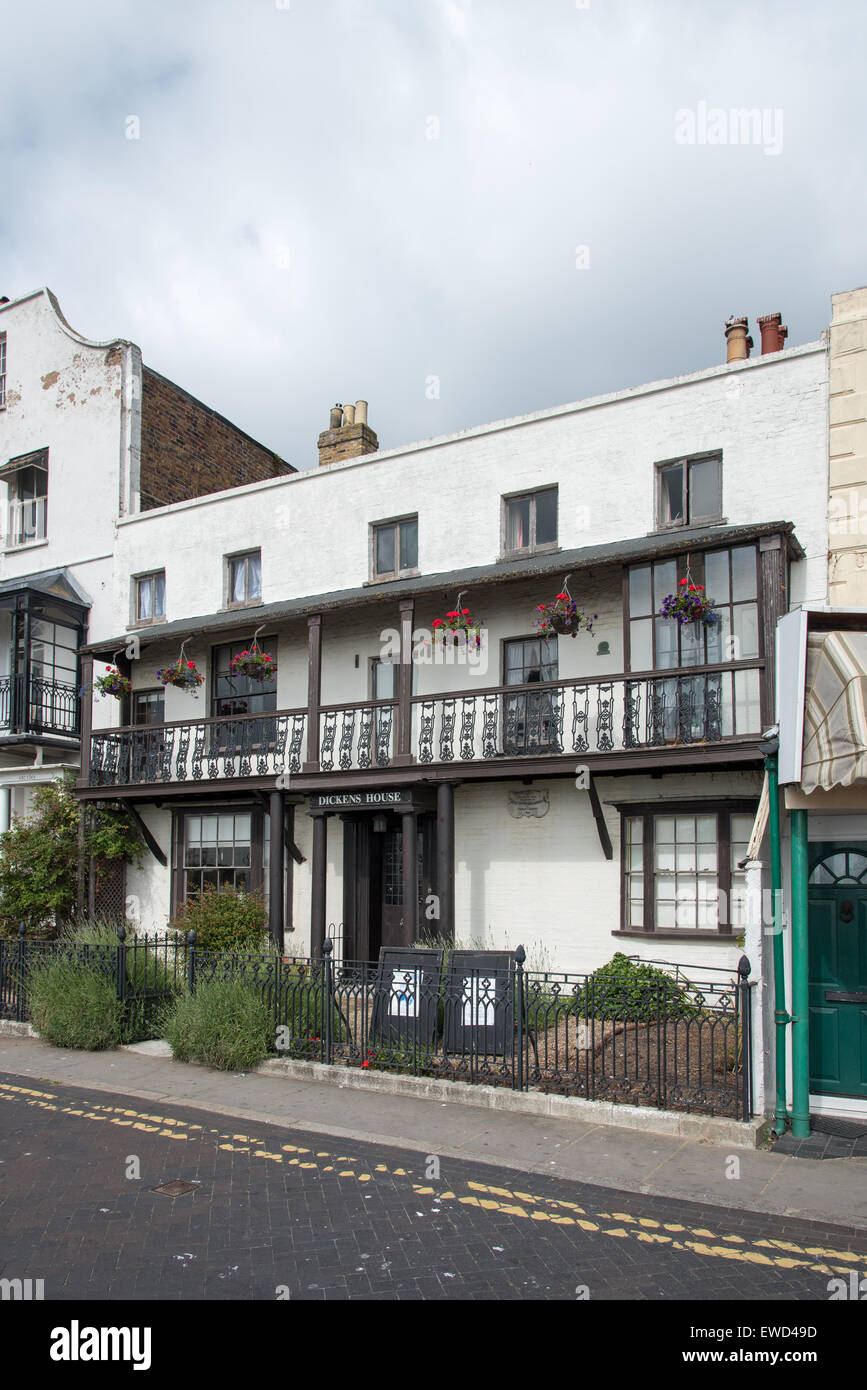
(689,491)
(394,548)
(149,603)
(2,370)
(530,522)
(244,579)
(26,481)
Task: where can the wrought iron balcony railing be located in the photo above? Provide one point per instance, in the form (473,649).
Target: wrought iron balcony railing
(37,706)
(252,745)
(701,705)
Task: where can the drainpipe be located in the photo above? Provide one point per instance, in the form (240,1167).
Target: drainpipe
(800,1022)
(781,1017)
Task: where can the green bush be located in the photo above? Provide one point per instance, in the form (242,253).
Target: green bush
(225,1023)
(39,857)
(151,983)
(224,920)
(74,1005)
(628,990)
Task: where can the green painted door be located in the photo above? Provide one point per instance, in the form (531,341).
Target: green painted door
(838,988)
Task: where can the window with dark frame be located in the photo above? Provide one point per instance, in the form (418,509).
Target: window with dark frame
(150,597)
(244,578)
(395,548)
(220,849)
(148,707)
(689,491)
(27,496)
(656,644)
(680,867)
(236,694)
(2,370)
(531,719)
(530,522)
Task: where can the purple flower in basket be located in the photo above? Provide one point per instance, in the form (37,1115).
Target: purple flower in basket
(689,605)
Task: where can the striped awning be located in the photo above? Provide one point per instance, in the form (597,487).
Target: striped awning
(835,711)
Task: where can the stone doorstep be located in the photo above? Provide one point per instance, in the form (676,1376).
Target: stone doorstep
(749,1134)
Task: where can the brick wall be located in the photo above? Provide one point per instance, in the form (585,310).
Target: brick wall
(188,450)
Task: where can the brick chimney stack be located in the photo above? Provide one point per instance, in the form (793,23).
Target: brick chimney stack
(738,342)
(348,435)
(774,334)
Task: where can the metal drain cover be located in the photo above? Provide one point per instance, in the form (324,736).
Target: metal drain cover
(176,1188)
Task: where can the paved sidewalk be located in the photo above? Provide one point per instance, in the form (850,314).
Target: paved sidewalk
(576,1150)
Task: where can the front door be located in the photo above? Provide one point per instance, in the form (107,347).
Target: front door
(838,972)
(393,933)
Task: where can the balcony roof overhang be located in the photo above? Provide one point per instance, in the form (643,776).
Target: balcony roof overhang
(647,547)
(57,586)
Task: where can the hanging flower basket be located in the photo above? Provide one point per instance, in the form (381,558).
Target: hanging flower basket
(689,605)
(182,674)
(112,683)
(459,620)
(255,665)
(562,617)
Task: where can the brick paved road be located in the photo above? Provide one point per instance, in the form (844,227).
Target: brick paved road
(328,1219)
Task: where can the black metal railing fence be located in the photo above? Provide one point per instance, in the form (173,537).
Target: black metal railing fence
(680,1042)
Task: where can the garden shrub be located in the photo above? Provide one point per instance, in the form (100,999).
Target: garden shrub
(225,1023)
(629,990)
(224,920)
(39,858)
(73,1004)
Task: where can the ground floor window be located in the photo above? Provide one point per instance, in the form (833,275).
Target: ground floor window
(220,848)
(680,866)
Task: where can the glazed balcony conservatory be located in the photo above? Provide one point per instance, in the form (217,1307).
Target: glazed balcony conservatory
(678,694)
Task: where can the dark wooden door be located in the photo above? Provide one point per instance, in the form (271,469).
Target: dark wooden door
(391,880)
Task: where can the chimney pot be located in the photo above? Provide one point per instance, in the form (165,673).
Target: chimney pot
(349,437)
(738,341)
(774,333)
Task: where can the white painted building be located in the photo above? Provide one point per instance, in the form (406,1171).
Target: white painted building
(73,463)
(587,795)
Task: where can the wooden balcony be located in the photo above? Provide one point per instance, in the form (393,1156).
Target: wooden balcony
(654,718)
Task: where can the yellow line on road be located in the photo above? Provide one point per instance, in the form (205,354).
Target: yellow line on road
(506,1201)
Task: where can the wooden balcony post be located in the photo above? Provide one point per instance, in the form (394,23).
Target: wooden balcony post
(403,750)
(276,863)
(314,690)
(773,603)
(86,717)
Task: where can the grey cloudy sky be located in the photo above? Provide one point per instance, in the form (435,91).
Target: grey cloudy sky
(286,233)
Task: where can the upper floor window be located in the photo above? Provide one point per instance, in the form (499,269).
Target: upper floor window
(244,578)
(395,548)
(148,707)
(530,522)
(27,498)
(730,578)
(531,719)
(237,694)
(689,491)
(150,597)
(2,370)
